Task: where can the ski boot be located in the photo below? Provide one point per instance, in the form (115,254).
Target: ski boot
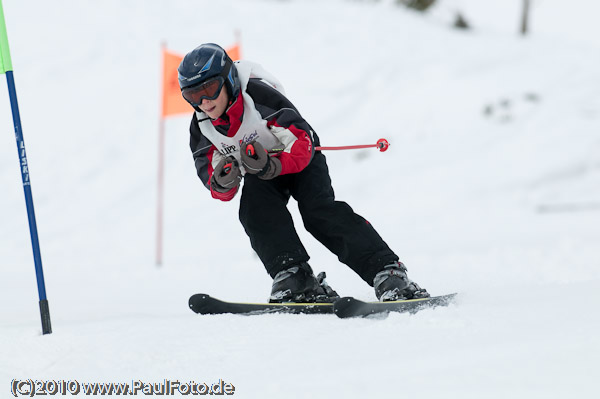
(299,284)
(392,284)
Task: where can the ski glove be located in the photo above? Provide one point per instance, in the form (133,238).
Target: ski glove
(257,161)
(226,176)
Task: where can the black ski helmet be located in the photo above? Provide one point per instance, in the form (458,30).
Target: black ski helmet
(208,61)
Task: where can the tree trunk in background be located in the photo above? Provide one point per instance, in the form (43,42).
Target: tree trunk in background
(420,5)
(525,18)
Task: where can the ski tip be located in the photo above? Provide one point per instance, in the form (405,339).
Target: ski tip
(351,307)
(346,307)
(195,302)
(449,298)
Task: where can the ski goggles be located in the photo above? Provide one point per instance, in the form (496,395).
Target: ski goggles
(208,90)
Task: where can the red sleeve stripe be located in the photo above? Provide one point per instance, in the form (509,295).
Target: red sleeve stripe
(210,167)
(299,154)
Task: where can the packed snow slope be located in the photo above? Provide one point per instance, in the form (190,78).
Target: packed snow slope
(490,189)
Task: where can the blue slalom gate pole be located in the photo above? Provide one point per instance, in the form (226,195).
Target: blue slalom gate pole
(6,67)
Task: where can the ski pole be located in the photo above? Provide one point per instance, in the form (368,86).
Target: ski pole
(382,144)
(6,68)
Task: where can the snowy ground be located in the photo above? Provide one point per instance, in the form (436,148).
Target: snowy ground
(490,189)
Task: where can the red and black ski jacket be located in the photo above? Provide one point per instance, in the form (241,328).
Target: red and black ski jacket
(281,116)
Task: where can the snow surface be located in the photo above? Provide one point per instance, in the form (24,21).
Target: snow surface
(490,189)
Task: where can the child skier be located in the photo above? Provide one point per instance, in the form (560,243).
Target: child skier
(244,128)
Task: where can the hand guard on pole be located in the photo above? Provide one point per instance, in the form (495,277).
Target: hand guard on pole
(226,175)
(257,161)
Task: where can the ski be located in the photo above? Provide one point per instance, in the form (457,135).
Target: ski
(205,304)
(351,307)
(344,307)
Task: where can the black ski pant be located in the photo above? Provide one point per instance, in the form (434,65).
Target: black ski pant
(269,225)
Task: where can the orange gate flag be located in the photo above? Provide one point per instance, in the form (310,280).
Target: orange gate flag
(234,52)
(172,101)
